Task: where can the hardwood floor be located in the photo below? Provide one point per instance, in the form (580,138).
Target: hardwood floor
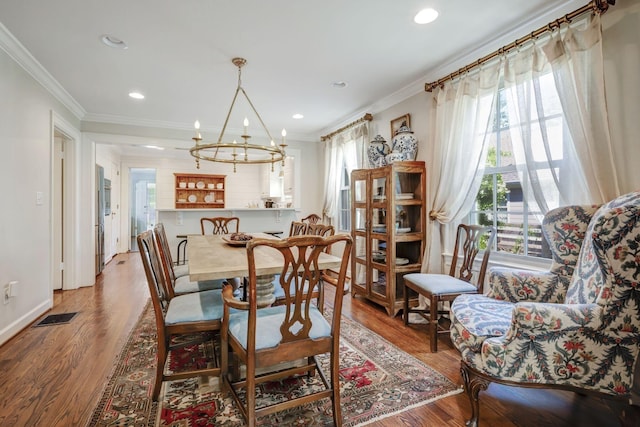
(54,375)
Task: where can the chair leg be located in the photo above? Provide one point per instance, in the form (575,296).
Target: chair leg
(162,359)
(433,323)
(405,308)
(335,386)
(473,385)
(250,385)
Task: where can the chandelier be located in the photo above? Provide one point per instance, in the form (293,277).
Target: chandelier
(243,152)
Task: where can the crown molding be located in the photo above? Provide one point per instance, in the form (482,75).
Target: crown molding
(23,57)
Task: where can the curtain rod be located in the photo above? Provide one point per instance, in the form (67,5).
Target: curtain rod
(367,117)
(595,6)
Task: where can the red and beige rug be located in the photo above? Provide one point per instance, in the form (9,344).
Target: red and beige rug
(377,380)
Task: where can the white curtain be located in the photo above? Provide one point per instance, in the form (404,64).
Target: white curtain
(556,93)
(461,121)
(345,148)
(578,69)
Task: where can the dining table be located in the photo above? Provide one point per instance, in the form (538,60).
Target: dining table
(215,257)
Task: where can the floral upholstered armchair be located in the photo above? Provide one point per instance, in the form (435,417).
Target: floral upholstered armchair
(564,230)
(584,339)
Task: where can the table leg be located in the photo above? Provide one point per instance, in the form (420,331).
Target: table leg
(264,290)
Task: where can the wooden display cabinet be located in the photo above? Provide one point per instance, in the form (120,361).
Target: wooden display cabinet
(198,191)
(388,229)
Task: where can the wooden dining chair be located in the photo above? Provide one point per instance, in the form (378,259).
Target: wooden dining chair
(311,219)
(321,230)
(197,315)
(176,270)
(439,288)
(297,228)
(179,285)
(264,337)
(220,225)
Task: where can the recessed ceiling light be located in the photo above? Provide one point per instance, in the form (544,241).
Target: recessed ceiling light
(298,116)
(136,95)
(113,42)
(155,147)
(339,84)
(425,16)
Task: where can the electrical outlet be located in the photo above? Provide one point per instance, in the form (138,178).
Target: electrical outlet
(7,293)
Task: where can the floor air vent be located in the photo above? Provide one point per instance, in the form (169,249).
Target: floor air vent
(56,319)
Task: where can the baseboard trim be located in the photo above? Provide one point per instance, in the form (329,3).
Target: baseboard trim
(24,321)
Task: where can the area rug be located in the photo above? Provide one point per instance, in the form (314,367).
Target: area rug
(378,380)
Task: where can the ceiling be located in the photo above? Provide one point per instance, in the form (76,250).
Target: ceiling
(179,55)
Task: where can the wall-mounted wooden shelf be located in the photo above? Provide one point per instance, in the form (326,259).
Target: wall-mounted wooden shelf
(198,191)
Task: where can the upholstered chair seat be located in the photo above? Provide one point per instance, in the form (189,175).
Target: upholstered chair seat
(268,326)
(183,285)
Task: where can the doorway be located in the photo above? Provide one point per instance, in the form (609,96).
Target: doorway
(143,202)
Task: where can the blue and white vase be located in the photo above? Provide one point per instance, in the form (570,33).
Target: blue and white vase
(404,142)
(378,149)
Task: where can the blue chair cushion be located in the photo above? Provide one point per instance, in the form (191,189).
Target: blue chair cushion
(268,326)
(183,285)
(439,284)
(195,307)
(181,270)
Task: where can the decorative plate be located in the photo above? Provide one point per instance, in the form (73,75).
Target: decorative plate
(227,239)
(200,185)
(208,198)
(404,196)
(192,198)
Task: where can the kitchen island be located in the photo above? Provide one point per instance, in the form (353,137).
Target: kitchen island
(182,222)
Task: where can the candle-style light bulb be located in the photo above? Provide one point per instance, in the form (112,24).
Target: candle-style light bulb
(197,126)
(273,144)
(284,134)
(246,125)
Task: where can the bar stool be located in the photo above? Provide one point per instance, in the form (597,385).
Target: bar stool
(182,246)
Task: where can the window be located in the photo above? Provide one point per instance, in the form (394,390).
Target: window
(344,201)
(504,199)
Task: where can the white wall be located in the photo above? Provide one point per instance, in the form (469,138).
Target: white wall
(25,169)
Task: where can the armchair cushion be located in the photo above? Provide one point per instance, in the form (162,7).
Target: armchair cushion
(477,318)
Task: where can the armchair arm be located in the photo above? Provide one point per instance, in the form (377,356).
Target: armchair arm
(231,301)
(512,285)
(541,317)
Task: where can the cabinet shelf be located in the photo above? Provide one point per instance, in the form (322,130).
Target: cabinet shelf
(388,217)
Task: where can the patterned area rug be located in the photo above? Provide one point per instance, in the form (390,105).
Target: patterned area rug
(377,380)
